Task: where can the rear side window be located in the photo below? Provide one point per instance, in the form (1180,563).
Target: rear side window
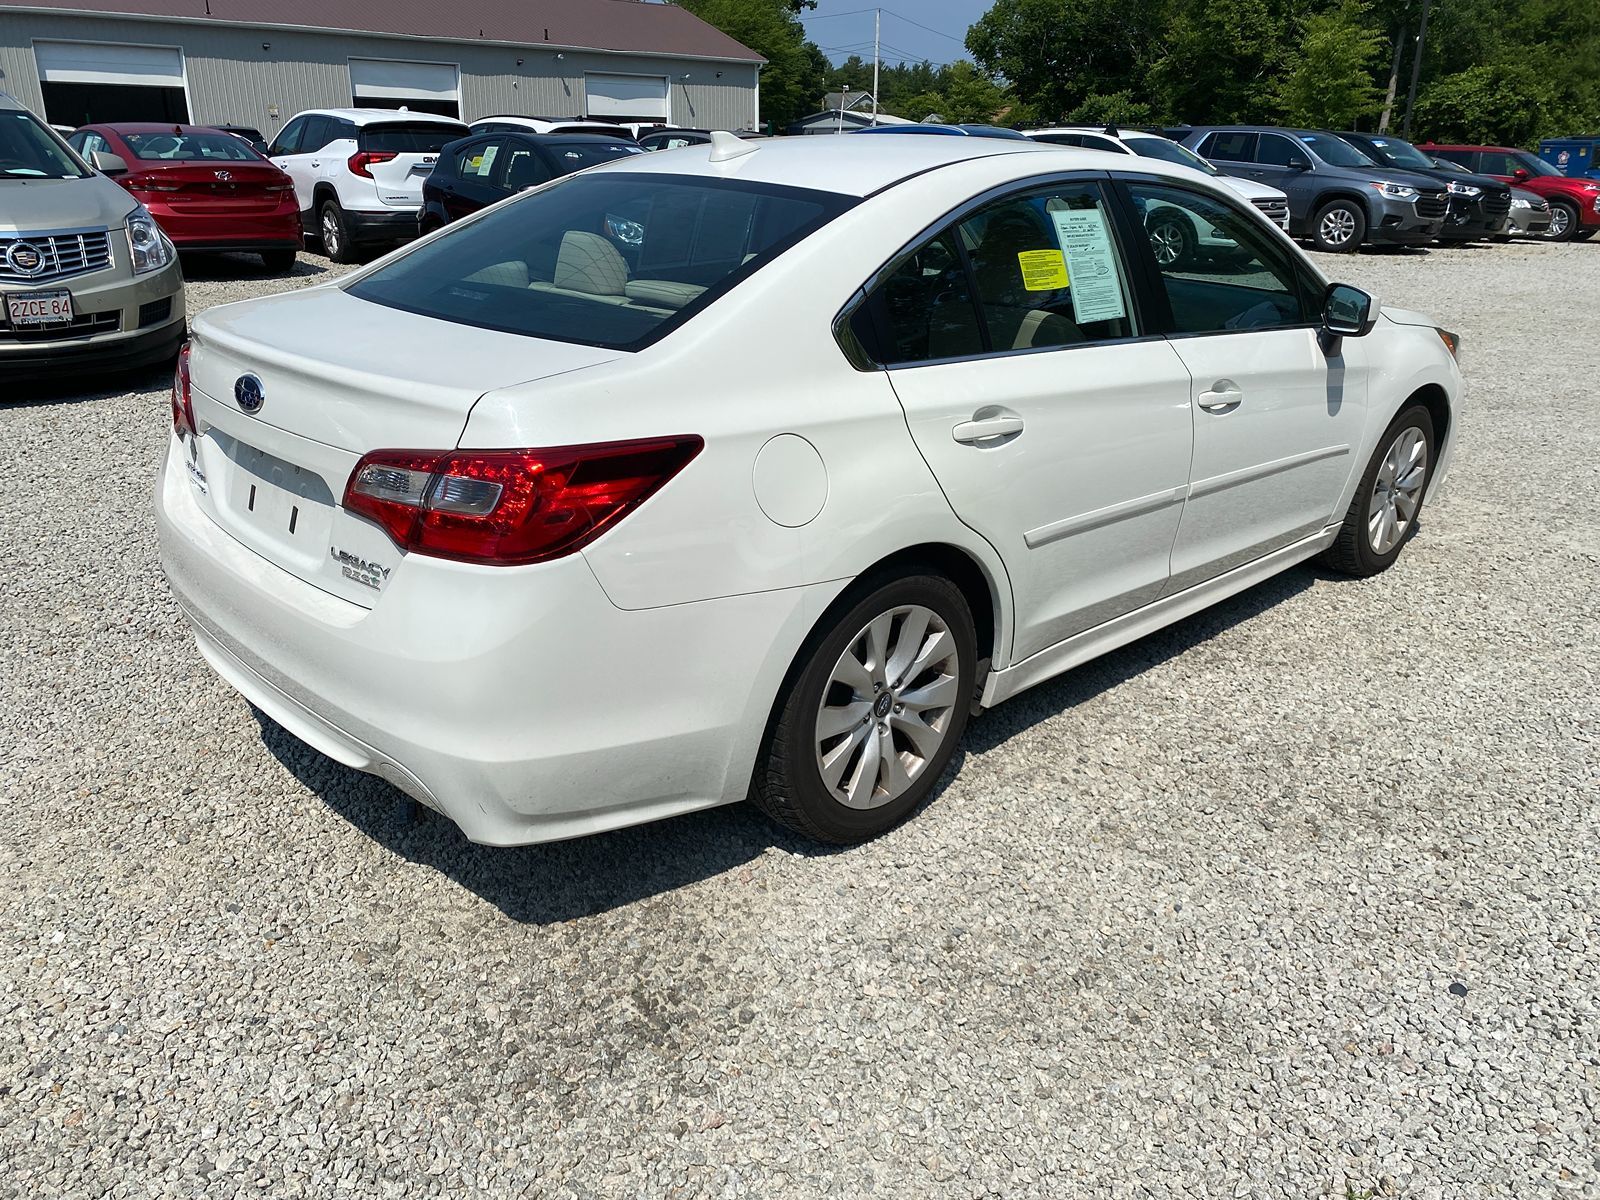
(1230,147)
(416,138)
(608,259)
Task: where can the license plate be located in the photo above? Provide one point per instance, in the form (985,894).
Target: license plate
(38,308)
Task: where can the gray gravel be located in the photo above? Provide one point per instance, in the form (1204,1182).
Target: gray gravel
(1295,899)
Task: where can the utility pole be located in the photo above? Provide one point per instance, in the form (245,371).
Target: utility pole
(1416,69)
(877,20)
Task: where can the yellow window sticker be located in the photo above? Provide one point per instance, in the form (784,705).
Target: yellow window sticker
(1043,270)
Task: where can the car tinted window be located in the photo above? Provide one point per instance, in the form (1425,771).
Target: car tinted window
(1251,285)
(190,147)
(476,160)
(607,259)
(575,156)
(1168,151)
(1395,153)
(1336,151)
(27,151)
(1230,147)
(1533,164)
(524,167)
(418,138)
(923,310)
(1277,151)
(1091,142)
(289,137)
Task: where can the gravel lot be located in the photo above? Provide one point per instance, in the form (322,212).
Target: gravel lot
(1295,899)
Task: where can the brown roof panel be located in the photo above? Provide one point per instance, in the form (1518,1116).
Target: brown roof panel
(625,25)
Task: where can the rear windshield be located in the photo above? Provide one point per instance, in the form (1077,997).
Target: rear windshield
(27,151)
(607,259)
(190,147)
(575,156)
(420,138)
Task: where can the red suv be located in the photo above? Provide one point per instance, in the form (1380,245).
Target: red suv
(1574,203)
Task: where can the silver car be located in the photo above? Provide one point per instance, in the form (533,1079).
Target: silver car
(88,282)
(1530,214)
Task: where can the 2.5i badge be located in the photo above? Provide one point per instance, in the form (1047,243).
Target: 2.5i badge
(353,566)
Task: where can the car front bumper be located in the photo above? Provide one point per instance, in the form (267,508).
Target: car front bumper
(1527,222)
(1397,222)
(519,702)
(127,323)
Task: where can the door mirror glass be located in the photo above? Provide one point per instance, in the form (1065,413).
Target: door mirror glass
(1348,311)
(109,164)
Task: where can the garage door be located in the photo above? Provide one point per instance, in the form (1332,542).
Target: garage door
(419,86)
(626,97)
(87,82)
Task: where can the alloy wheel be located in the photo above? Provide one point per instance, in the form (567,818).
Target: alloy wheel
(1338,226)
(1397,490)
(330,232)
(1560,219)
(1166,239)
(888,707)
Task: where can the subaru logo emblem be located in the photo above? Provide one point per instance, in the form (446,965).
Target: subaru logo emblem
(248,393)
(25,258)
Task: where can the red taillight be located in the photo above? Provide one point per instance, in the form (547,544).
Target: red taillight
(511,506)
(362,159)
(149,183)
(182,402)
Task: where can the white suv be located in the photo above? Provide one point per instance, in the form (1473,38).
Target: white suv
(358,172)
(514,124)
(1176,240)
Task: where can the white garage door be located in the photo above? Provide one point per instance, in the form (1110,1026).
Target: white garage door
(627,97)
(387,79)
(97,62)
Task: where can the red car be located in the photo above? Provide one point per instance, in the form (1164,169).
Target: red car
(208,190)
(1574,203)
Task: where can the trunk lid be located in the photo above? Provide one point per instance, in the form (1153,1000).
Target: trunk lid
(274,477)
(233,187)
(404,154)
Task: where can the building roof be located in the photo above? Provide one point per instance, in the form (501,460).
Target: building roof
(854,100)
(628,26)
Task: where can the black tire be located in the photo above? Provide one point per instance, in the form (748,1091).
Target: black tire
(1583,235)
(1568,229)
(1172,240)
(279,262)
(788,784)
(335,233)
(1353,551)
(1346,215)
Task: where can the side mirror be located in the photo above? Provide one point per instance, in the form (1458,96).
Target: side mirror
(107,163)
(1521,175)
(1347,312)
(1296,163)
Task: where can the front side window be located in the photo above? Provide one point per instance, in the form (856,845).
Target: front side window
(606,259)
(27,151)
(1275,151)
(476,162)
(1533,164)
(1241,282)
(1029,272)
(1494,162)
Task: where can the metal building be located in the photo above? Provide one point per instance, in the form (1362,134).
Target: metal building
(258,62)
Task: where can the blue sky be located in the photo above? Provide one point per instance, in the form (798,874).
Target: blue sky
(844,27)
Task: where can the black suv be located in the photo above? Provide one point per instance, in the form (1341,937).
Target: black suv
(1479,206)
(476,171)
(1339,198)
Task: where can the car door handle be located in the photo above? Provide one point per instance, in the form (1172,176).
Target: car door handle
(985,429)
(1222,395)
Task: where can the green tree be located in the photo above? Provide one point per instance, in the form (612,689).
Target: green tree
(1494,104)
(1330,84)
(794,78)
(1215,60)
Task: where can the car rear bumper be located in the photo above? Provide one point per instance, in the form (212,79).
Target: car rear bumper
(390,225)
(519,702)
(278,230)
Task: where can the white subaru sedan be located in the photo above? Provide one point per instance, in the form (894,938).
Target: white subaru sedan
(753,470)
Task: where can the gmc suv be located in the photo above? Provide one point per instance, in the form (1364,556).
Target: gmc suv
(1339,198)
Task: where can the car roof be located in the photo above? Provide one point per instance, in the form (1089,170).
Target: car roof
(572,139)
(151,127)
(1466,146)
(853,166)
(371,116)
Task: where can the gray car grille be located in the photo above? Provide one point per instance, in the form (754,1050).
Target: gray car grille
(1278,210)
(63,254)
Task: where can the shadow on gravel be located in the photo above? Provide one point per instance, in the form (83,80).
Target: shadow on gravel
(72,388)
(225,268)
(562,881)
(1106,672)
(559,881)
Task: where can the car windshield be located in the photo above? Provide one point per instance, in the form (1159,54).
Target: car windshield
(1336,152)
(27,151)
(189,147)
(1160,147)
(1534,165)
(606,259)
(1395,153)
(420,138)
(575,156)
